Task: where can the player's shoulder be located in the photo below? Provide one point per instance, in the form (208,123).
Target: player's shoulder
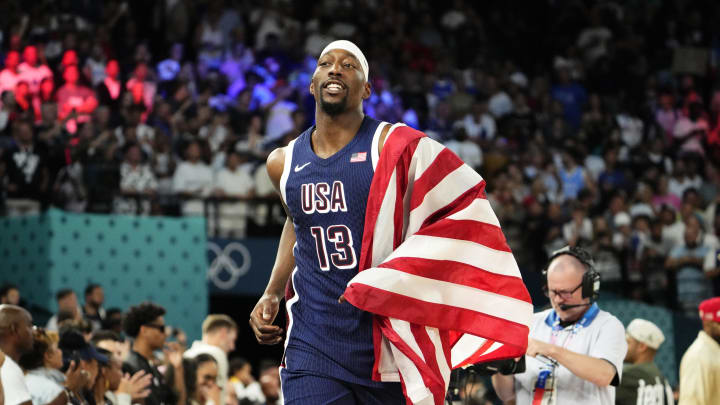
(276,163)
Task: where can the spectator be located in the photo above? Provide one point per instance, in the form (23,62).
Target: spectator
(142,89)
(192,180)
(571,95)
(75,99)
(247,390)
(10,75)
(642,380)
(201,380)
(16,339)
(67,303)
(700,365)
(27,172)
(110,341)
(114,388)
(10,294)
(467,150)
(137,183)
(270,382)
(218,340)
(31,71)
(43,377)
(234,182)
(93,310)
(76,349)
(146,325)
(689,132)
(169,68)
(113,320)
(479,125)
(686,260)
(579,229)
(110,89)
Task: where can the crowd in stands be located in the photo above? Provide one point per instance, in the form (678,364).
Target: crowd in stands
(86,355)
(593,122)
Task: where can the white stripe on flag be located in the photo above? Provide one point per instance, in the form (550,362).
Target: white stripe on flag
(446,191)
(442,292)
(478,210)
(463,251)
(385,224)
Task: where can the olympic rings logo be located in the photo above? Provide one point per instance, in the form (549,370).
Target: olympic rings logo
(225,263)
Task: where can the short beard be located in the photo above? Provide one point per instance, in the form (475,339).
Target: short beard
(333,109)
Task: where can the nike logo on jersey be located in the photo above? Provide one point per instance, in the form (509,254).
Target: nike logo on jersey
(298,168)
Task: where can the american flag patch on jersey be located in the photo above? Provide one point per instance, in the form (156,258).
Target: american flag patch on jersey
(358,157)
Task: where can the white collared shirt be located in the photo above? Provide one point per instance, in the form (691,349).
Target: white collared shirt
(603,338)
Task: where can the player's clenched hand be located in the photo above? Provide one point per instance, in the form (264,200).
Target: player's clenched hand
(262,317)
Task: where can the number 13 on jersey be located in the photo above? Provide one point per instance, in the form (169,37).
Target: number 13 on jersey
(344,256)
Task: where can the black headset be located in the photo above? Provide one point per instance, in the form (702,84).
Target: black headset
(591,278)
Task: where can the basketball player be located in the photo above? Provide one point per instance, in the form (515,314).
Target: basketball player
(326,180)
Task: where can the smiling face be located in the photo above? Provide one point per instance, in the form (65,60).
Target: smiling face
(338,83)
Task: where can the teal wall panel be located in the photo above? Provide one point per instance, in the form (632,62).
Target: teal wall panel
(626,311)
(134,258)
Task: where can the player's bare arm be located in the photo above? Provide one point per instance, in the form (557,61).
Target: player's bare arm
(265,311)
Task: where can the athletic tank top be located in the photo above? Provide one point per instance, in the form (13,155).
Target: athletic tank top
(327,199)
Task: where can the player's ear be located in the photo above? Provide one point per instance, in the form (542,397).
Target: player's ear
(312,85)
(367,91)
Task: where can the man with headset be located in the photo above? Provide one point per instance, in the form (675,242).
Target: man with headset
(575,350)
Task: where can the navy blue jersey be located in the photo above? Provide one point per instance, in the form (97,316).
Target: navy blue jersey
(327,198)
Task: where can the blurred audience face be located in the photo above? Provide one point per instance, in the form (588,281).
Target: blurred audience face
(91,366)
(68,303)
(23,132)
(30,55)
(12,297)
(53,357)
(12,60)
(134,156)
(114,347)
(69,58)
(692,232)
(192,153)
(113,372)
(207,373)
(47,86)
(71,74)
(112,69)
(564,277)
(96,297)
(154,333)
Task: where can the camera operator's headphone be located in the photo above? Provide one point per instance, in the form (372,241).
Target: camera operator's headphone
(591,278)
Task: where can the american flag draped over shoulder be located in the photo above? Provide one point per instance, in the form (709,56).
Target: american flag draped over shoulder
(435,269)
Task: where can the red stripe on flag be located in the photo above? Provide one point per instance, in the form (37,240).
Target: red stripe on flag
(440,316)
(461,274)
(428,350)
(429,378)
(474,231)
(445,163)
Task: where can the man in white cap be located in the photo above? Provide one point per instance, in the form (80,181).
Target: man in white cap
(642,381)
(364,198)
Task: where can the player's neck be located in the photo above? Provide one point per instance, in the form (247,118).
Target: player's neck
(332,133)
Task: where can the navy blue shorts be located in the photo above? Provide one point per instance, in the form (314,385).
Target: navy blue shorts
(306,389)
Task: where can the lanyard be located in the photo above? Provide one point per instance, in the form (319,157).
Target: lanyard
(544,391)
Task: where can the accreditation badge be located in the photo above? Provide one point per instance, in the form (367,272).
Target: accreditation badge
(544,392)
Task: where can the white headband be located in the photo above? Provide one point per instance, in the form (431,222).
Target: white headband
(353,49)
